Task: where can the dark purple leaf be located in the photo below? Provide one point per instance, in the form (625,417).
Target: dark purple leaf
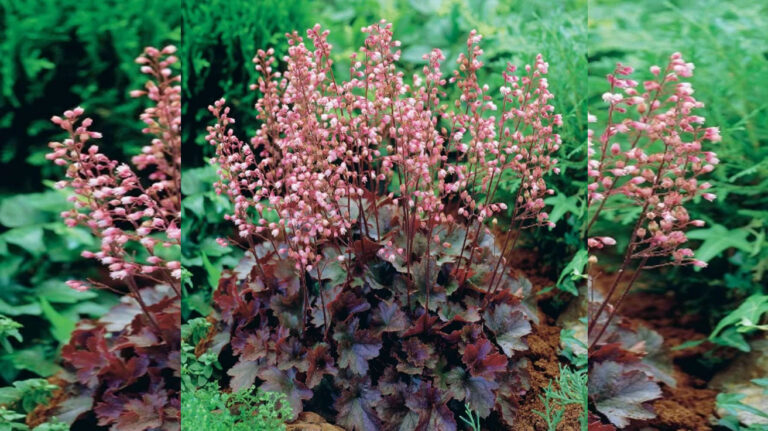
(347,304)
(251,345)
(425,324)
(619,392)
(478,392)
(388,317)
(431,404)
(483,360)
(329,295)
(418,356)
(288,310)
(141,414)
(243,374)
(510,326)
(290,353)
(88,354)
(356,408)
(356,347)
(321,363)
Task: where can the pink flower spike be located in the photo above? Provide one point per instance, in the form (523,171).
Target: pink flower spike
(124,211)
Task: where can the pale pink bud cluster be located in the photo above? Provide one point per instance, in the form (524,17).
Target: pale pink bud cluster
(524,147)
(328,150)
(126,211)
(651,153)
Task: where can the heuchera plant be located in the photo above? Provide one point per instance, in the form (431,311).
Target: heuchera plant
(650,156)
(371,277)
(124,368)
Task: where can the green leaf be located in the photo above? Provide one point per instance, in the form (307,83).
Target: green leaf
(750,311)
(732,403)
(572,272)
(732,338)
(29,238)
(718,239)
(36,359)
(414,53)
(214,274)
(31,309)
(562,204)
(16,211)
(9,329)
(61,327)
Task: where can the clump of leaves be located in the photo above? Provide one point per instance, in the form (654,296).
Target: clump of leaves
(738,412)
(197,368)
(210,409)
(744,320)
(17,401)
(626,371)
(9,329)
(11,420)
(123,370)
(27,394)
(363,205)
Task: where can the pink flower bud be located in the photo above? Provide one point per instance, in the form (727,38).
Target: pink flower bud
(77,285)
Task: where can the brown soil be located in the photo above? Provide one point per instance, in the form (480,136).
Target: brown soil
(690,405)
(685,408)
(543,369)
(544,344)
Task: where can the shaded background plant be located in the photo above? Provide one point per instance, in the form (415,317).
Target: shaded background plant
(123,370)
(57,55)
(723,40)
(694,305)
(650,151)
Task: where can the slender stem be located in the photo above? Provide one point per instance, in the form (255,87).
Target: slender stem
(131,281)
(305,298)
(322,301)
(624,293)
(427,280)
(505,268)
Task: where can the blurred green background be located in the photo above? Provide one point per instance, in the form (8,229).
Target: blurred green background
(728,43)
(222,36)
(57,54)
